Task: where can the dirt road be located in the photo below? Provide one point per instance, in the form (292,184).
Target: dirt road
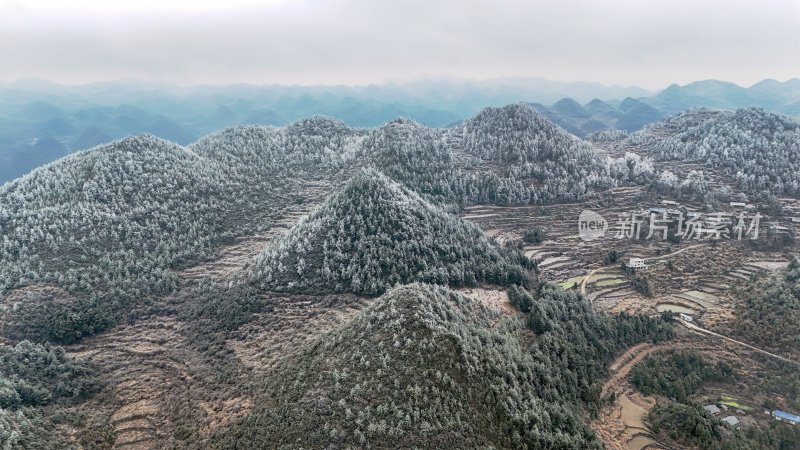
(698,329)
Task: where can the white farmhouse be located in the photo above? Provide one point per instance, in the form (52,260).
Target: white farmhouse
(636,263)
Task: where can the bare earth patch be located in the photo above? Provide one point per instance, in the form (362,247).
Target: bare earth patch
(495,299)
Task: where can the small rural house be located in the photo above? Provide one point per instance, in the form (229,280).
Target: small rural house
(636,263)
(731,420)
(786,417)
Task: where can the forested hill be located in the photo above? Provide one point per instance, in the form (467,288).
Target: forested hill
(532,160)
(310,145)
(509,155)
(431,368)
(375,233)
(759,149)
(422,367)
(115,223)
(418,157)
(518,134)
(123,215)
(112,217)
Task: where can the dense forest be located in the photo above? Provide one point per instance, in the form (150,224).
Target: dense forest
(532,159)
(438,369)
(112,217)
(686,424)
(432,368)
(374,234)
(112,223)
(575,343)
(309,145)
(676,374)
(756,148)
(35,375)
(505,156)
(419,158)
(107,225)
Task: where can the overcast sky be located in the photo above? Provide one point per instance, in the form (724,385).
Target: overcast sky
(649,43)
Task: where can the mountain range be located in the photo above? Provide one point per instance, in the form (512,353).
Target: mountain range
(317,285)
(597,115)
(42,121)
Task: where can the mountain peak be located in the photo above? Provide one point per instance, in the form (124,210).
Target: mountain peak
(571,108)
(403,121)
(319,125)
(373,234)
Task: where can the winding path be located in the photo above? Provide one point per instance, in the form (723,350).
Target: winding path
(583,282)
(701,330)
(653,258)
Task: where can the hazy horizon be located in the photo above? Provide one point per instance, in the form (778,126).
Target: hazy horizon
(424,79)
(355,42)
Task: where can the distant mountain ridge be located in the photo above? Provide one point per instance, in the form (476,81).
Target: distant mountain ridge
(772,95)
(597,115)
(631,114)
(41,121)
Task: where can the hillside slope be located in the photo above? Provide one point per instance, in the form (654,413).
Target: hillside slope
(421,366)
(114,223)
(114,216)
(305,146)
(529,159)
(375,233)
(417,157)
(760,150)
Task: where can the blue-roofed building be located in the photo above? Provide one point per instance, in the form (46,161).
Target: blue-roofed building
(786,417)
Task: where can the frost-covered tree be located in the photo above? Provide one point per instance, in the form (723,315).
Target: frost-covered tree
(374,234)
(667,181)
(760,150)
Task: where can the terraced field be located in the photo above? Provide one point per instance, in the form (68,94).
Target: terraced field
(146,364)
(233,257)
(161,383)
(696,277)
